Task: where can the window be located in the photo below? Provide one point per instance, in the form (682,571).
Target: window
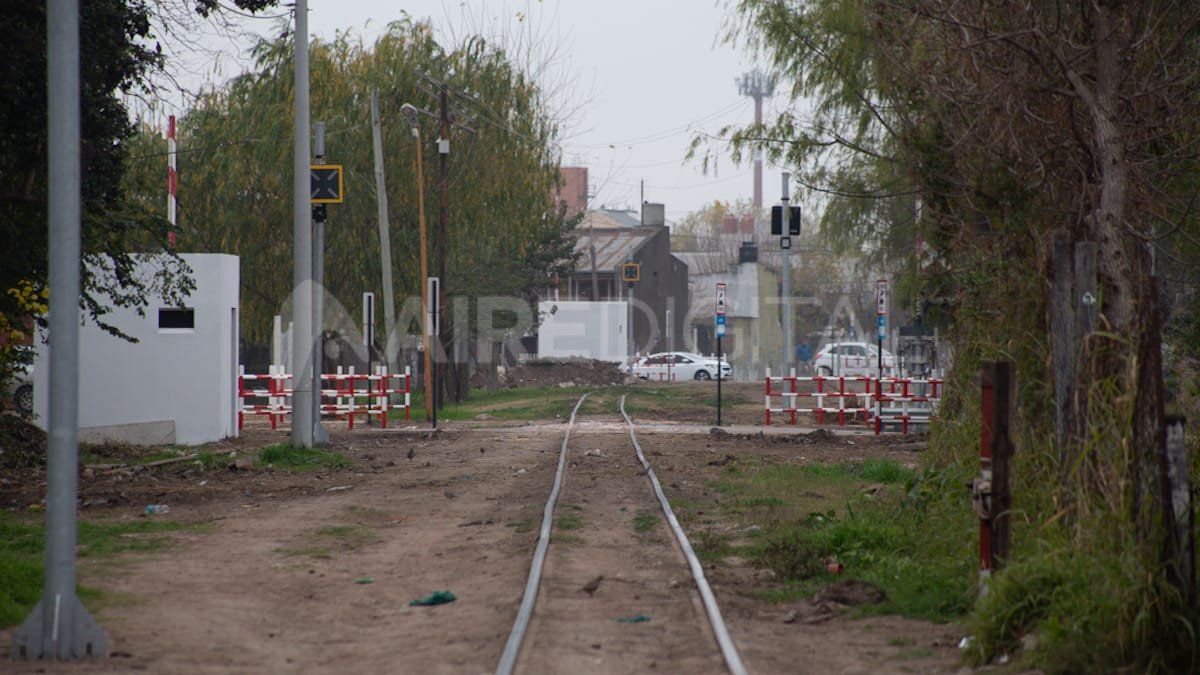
(176,319)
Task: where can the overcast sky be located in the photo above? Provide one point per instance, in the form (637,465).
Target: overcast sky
(644,75)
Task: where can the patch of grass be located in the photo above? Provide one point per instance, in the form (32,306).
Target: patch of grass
(519,403)
(521,526)
(22,554)
(292,458)
(568,522)
(560,538)
(813,513)
(644,521)
(711,547)
(572,507)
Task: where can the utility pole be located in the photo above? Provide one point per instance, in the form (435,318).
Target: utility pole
(390,349)
(59,627)
(302,253)
(757,85)
(319,216)
(786,272)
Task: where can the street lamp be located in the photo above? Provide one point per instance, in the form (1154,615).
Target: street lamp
(411,113)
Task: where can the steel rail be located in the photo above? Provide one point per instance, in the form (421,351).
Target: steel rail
(512,648)
(728,650)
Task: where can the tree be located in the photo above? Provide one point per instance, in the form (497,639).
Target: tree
(116,59)
(980,129)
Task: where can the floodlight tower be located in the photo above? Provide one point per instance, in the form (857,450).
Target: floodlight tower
(757,85)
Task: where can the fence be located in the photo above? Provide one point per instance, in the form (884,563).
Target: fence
(343,395)
(859,399)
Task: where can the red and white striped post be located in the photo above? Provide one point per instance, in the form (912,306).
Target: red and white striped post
(172,180)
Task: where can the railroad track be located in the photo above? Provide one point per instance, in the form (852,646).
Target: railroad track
(516,650)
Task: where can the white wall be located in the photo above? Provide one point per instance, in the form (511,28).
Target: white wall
(593,330)
(184,376)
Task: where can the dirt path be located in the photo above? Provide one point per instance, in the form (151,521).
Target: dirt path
(609,525)
(270,584)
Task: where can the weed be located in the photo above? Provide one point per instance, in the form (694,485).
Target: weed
(569,522)
(559,538)
(292,458)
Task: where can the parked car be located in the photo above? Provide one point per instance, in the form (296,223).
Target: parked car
(678,366)
(20,390)
(852,359)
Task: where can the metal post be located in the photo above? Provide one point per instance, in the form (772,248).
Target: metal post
(718,379)
(433,292)
(320,434)
(786,271)
(59,627)
(439,380)
(302,253)
(629,309)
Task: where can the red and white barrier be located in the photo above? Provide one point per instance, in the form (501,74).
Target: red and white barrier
(343,395)
(829,395)
(863,399)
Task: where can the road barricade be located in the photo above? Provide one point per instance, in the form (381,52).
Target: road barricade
(870,401)
(343,395)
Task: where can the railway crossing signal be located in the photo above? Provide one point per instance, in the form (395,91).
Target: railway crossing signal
(327,184)
(631,272)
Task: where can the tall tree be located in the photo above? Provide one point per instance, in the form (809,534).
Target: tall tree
(504,237)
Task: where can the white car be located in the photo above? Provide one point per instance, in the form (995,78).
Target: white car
(669,366)
(852,359)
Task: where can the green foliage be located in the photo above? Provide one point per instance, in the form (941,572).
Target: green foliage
(1072,613)
(293,458)
(115,59)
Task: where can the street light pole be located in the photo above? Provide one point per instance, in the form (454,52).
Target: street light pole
(410,112)
(59,627)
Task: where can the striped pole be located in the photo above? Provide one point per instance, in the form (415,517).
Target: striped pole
(172,180)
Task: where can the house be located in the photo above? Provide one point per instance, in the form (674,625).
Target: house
(606,240)
(177,384)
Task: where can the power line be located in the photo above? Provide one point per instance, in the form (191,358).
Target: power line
(657,136)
